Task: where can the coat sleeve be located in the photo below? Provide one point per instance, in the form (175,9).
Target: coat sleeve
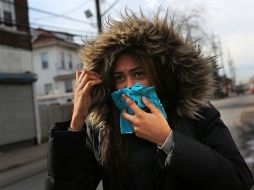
(71,164)
(213,161)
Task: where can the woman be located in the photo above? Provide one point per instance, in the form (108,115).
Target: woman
(192,149)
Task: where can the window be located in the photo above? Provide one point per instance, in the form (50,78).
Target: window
(70,62)
(62,61)
(7,19)
(68,86)
(48,88)
(44,60)
(7,13)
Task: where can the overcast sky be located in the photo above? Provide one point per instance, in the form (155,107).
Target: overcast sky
(231,21)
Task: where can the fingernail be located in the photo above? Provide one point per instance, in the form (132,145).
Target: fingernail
(125,96)
(144,99)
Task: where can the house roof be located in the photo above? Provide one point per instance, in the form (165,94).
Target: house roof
(43,38)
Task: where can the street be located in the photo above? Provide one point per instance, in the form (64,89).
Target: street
(237,113)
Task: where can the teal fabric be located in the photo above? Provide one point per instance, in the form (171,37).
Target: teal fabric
(135,93)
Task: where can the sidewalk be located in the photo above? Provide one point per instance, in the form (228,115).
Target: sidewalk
(21,163)
(247,117)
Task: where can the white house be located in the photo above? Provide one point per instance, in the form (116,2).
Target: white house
(55,59)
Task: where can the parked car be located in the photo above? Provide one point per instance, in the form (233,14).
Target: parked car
(239,89)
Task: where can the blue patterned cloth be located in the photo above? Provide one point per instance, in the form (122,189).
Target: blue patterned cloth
(135,93)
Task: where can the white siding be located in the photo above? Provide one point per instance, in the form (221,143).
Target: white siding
(54,69)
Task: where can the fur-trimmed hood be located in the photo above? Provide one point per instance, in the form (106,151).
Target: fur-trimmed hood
(157,37)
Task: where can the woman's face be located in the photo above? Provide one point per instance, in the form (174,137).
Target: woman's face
(128,71)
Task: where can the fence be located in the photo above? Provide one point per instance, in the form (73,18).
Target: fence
(50,114)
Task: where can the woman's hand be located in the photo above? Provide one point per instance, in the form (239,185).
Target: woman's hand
(85,81)
(150,126)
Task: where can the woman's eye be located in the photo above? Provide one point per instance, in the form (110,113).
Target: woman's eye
(139,75)
(119,79)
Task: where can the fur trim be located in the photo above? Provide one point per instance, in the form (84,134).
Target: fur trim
(192,71)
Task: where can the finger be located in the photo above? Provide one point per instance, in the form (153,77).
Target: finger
(130,118)
(86,79)
(92,73)
(132,105)
(78,72)
(81,76)
(83,73)
(90,84)
(135,129)
(150,105)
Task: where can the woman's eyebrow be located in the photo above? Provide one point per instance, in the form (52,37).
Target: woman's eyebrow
(130,71)
(117,73)
(135,69)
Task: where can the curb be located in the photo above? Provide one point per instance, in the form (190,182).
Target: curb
(22,172)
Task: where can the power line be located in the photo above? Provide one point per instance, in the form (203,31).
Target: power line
(66,17)
(68,12)
(79,34)
(99,15)
(76,8)
(61,28)
(59,15)
(48,13)
(110,7)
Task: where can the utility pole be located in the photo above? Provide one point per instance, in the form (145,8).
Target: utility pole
(217,51)
(231,68)
(99,15)
(214,51)
(214,46)
(221,57)
(98,12)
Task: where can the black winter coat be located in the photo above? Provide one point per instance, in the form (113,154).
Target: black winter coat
(204,157)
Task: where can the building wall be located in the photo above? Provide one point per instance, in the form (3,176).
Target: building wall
(17,115)
(17,108)
(15,43)
(44,75)
(15,60)
(10,37)
(75,60)
(22,20)
(60,86)
(17,105)
(54,67)
(17,34)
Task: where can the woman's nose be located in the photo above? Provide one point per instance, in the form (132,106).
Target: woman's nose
(129,82)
